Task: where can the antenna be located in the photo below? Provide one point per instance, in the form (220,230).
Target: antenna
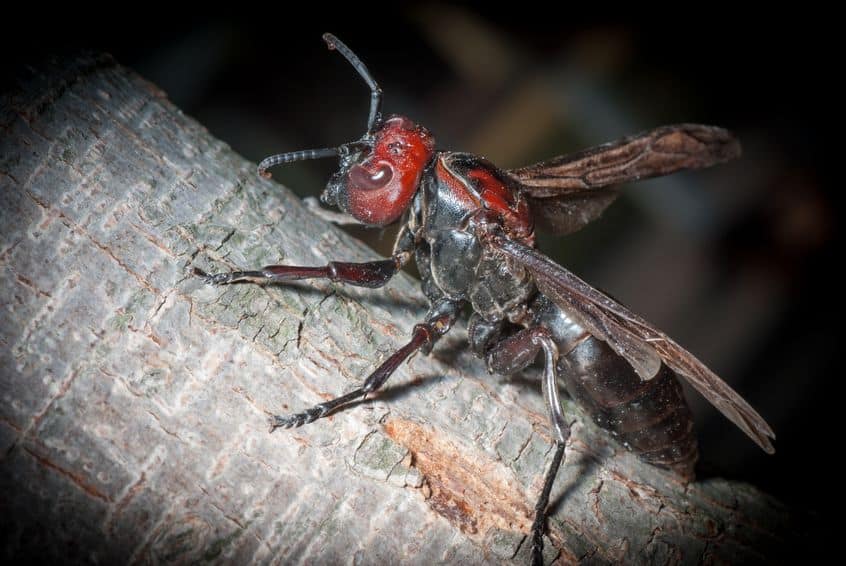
(292,156)
(375,92)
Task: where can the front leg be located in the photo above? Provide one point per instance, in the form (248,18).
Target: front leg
(368,274)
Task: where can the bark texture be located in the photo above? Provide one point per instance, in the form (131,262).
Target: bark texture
(135,398)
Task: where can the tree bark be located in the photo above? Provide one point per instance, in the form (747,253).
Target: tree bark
(135,398)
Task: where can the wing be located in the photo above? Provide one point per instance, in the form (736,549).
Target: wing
(569,191)
(633,338)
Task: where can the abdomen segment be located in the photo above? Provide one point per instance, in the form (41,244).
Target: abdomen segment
(651,418)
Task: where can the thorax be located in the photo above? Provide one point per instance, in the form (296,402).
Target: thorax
(460,185)
(456,191)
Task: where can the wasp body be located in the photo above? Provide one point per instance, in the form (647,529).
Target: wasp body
(470,227)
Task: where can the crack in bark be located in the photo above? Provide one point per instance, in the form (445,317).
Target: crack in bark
(524,446)
(72,476)
(226,238)
(26,433)
(102,247)
(31,284)
(163,428)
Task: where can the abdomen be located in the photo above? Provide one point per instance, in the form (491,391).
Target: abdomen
(650,418)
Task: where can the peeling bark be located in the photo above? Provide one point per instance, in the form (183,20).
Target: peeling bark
(133,422)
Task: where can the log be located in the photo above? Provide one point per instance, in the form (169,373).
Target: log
(133,427)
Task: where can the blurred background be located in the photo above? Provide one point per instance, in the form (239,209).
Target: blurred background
(737,263)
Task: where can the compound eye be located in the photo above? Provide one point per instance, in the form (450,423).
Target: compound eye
(361,178)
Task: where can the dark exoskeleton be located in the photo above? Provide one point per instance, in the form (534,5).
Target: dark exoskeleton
(471,230)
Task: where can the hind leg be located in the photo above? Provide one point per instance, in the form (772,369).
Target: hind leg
(513,354)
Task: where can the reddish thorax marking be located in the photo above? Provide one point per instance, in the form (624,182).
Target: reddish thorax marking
(493,195)
(381,187)
(496,196)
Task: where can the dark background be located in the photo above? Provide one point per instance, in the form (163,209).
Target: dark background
(738,263)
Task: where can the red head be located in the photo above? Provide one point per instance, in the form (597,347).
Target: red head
(380,173)
(376,186)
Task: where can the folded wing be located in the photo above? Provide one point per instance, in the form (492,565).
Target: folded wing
(633,338)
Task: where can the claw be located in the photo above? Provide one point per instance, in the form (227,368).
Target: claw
(218,278)
(231,277)
(298,419)
(199,272)
(212,278)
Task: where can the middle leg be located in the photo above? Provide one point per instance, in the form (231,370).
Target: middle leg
(440,319)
